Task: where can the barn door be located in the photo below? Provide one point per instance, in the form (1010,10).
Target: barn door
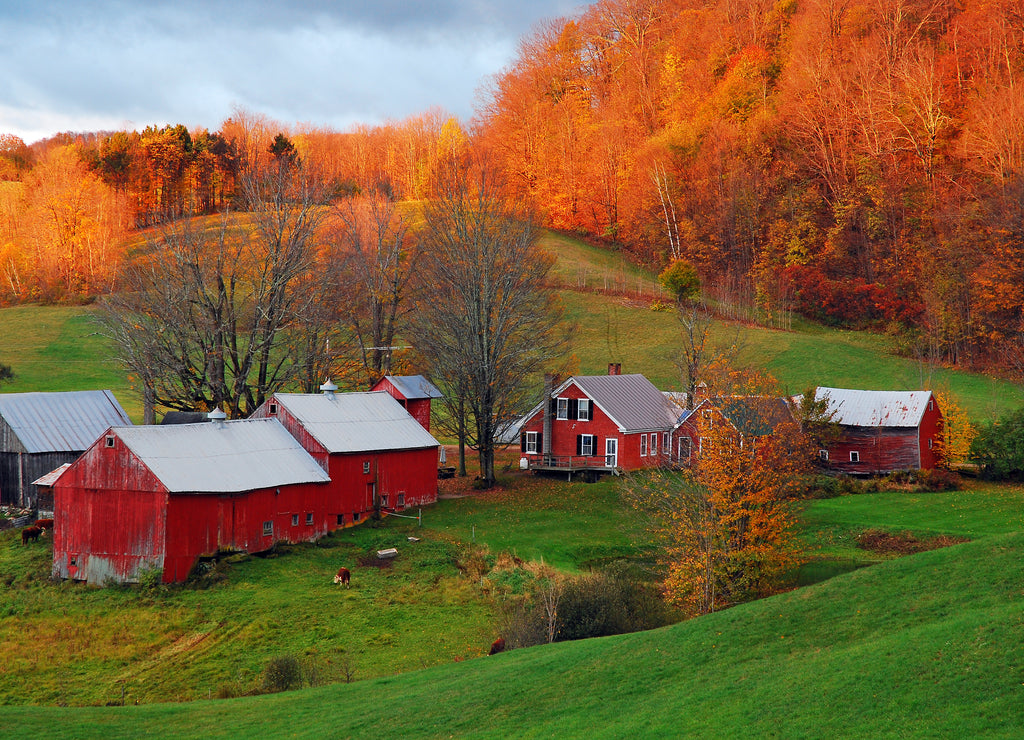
(611,452)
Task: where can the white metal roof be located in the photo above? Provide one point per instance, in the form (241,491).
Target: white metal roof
(875,408)
(67,421)
(414,386)
(50,478)
(356,422)
(222,457)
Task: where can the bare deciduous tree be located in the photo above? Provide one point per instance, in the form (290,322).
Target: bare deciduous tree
(491,321)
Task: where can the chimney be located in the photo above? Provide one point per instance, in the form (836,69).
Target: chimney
(549,387)
(615,368)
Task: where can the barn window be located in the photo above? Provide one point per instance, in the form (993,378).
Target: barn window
(355,516)
(273,409)
(109,441)
(643,445)
(341,520)
(583,410)
(309,517)
(654,444)
(366,468)
(929,444)
(562,409)
(665,443)
(854,456)
(384,500)
(295,520)
(531,443)
(268,529)
(587,444)
(401,499)
(823,455)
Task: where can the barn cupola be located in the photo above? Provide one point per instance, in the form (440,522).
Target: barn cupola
(217,417)
(329,388)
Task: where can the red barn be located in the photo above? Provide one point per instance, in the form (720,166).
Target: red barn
(376,453)
(748,416)
(600,423)
(162,496)
(882,431)
(414,392)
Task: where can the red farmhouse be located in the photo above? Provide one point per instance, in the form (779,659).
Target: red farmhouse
(376,453)
(414,392)
(883,431)
(600,423)
(162,496)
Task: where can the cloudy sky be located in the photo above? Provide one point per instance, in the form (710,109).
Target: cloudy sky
(87,65)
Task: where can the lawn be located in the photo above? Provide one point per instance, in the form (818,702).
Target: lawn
(927,646)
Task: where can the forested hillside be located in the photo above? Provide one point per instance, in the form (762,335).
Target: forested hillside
(857,161)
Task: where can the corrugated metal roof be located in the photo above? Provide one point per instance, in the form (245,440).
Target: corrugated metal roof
(224,457)
(66,421)
(631,401)
(677,403)
(875,408)
(357,422)
(756,415)
(414,386)
(50,478)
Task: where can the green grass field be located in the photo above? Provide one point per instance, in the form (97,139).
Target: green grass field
(927,646)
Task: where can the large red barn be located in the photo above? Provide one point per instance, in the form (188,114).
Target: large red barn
(162,496)
(377,455)
(882,431)
(600,423)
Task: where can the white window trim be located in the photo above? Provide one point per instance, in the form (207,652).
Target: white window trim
(588,441)
(643,445)
(268,529)
(854,456)
(823,455)
(562,408)
(583,409)
(531,443)
(654,444)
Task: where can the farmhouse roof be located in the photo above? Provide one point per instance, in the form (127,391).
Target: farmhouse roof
(67,421)
(356,422)
(224,457)
(631,401)
(857,408)
(414,386)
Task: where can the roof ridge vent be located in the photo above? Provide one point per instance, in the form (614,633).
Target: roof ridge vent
(329,388)
(217,417)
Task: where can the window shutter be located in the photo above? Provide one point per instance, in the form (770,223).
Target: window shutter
(574,406)
(553,403)
(522,442)
(540,442)
(579,444)
(596,440)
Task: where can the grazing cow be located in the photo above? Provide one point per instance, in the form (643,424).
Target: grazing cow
(44,523)
(30,533)
(344,576)
(497,646)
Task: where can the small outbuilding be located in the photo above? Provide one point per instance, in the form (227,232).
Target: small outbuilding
(413,392)
(378,456)
(160,497)
(749,417)
(39,432)
(882,431)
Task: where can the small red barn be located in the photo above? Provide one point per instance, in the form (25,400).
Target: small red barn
(600,423)
(162,496)
(748,416)
(882,431)
(413,392)
(377,455)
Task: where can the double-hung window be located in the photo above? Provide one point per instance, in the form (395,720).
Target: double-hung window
(643,445)
(562,409)
(531,443)
(583,410)
(654,444)
(588,443)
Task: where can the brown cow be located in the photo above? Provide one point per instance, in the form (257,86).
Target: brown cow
(497,646)
(44,523)
(30,533)
(344,576)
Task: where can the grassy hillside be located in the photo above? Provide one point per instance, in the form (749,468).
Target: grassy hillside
(927,646)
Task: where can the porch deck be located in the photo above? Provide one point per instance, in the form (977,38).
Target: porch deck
(572,463)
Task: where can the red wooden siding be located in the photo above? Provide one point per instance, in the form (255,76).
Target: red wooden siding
(888,449)
(418,408)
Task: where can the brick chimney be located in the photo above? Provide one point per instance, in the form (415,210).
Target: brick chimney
(615,368)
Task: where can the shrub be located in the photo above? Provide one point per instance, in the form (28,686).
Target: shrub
(282,673)
(999,448)
(681,280)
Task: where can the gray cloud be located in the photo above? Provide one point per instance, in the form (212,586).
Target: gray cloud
(114,63)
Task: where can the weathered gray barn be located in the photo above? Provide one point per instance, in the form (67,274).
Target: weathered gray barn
(41,431)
